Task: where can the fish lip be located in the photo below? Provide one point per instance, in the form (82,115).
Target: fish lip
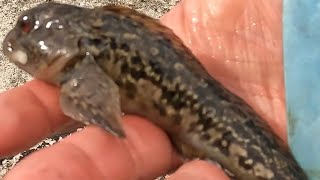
(10,42)
(46,65)
(14,51)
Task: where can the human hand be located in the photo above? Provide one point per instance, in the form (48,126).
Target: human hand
(247,64)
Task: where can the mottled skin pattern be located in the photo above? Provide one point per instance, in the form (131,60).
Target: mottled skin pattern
(131,56)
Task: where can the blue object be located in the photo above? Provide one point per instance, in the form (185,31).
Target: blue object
(301,33)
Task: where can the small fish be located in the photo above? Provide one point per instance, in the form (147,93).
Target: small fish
(110,60)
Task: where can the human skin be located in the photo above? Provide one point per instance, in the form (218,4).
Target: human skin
(240,45)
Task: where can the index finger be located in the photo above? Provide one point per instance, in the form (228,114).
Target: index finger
(29,113)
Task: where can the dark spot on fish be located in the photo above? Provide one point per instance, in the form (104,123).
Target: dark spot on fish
(168,95)
(263,136)
(125,47)
(223,143)
(160,108)
(244,164)
(177,118)
(156,67)
(131,90)
(205,137)
(113,44)
(239,111)
(178,104)
(119,82)
(125,68)
(136,60)
(137,74)
(207,123)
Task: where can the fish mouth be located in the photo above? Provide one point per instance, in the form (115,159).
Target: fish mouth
(16,53)
(11,48)
(44,64)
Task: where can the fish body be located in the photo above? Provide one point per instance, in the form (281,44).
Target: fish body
(109,60)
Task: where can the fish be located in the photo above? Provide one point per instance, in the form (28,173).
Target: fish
(111,60)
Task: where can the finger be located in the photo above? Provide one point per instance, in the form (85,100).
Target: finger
(95,154)
(29,113)
(240,46)
(199,170)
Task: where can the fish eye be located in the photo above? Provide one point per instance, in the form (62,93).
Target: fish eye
(26,24)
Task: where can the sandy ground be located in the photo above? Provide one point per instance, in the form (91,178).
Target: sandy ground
(11,76)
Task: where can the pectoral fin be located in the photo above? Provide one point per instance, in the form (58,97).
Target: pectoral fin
(90,96)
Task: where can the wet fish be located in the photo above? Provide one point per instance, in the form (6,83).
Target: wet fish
(110,60)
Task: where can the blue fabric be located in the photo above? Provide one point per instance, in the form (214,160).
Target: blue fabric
(301,33)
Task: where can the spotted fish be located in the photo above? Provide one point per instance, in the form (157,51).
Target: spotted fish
(110,60)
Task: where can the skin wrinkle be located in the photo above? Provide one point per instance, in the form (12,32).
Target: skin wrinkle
(277,70)
(132,144)
(49,121)
(101,142)
(48,108)
(136,158)
(44,106)
(185,28)
(23,113)
(89,152)
(259,90)
(52,167)
(188,35)
(89,160)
